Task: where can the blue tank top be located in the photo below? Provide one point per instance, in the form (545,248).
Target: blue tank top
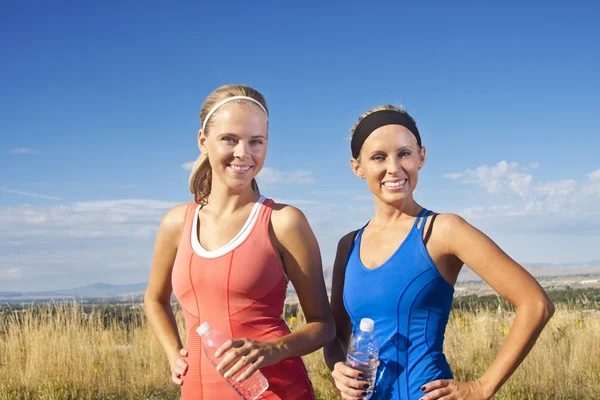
(410,303)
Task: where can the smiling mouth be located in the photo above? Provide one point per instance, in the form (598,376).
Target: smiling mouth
(239,169)
(395,184)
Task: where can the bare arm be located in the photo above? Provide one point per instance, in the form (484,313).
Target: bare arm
(335,351)
(157,300)
(348,383)
(512,282)
(301,258)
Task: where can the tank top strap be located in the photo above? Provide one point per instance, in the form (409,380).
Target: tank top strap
(422,216)
(188,222)
(263,218)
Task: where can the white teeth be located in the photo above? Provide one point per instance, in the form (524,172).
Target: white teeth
(395,184)
(239,168)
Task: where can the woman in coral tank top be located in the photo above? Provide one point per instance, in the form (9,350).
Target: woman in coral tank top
(228,257)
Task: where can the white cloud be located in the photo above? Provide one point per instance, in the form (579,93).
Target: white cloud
(91,219)
(188,165)
(594,175)
(10,273)
(567,197)
(42,196)
(69,245)
(499,178)
(270,176)
(22,150)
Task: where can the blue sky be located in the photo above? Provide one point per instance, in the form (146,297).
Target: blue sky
(99,109)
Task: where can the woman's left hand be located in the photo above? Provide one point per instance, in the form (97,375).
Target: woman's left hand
(449,389)
(244,352)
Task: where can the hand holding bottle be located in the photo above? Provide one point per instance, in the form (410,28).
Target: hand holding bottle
(241,353)
(349,383)
(249,384)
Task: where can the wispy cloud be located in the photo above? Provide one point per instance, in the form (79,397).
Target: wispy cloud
(562,196)
(78,242)
(92,219)
(10,273)
(188,165)
(500,178)
(271,176)
(41,196)
(22,150)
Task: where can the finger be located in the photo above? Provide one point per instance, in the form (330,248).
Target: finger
(251,370)
(237,367)
(183,352)
(233,343)
(440,383)
(437,394)
(183,365)
(349,385)
(347,371)
(344,396)
(229,360)
(353,383)
(176,380)
(352,393)
(224,348)
(179,370)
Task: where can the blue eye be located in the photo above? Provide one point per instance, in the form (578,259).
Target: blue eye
(228,139)
(405,153)
(378,158)
(256,142)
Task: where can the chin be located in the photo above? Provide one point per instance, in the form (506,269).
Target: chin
(239,185)
(394,198)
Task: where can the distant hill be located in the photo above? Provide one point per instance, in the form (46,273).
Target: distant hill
(97,290)
(545,270)
(108,291)
(538,270)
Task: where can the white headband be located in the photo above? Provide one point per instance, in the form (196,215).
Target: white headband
(227,100)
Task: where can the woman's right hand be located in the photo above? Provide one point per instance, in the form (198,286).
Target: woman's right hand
(179,368)
(348,382)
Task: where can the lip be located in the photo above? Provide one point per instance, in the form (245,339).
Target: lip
(395,188)
(239,169)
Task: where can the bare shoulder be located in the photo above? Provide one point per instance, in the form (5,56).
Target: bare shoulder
(285,218)
(172,223)
(346,241)
(447,230)
(449,223)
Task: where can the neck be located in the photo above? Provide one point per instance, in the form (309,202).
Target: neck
(224,200)
(388,214)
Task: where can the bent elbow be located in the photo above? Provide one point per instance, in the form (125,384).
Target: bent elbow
(150,303)
(549,310)
(544,310)
(330,333)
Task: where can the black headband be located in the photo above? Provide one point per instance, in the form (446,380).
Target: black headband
(377,120)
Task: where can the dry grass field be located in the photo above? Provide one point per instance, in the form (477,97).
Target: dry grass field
(58,351)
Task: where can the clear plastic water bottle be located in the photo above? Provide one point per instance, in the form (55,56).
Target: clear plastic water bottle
(363,353)
(251,388)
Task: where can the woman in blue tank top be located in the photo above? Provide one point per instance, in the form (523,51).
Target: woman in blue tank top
(400,270)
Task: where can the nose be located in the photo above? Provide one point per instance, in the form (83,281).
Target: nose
(241,150)
(393,166)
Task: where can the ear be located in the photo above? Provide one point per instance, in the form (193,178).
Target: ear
(422,156)
(356,168)
(202,142)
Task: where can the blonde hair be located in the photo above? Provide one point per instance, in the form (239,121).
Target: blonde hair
(379,108)
(201,176)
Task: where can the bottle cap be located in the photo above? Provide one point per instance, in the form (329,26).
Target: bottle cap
(203,329)
(367,325)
